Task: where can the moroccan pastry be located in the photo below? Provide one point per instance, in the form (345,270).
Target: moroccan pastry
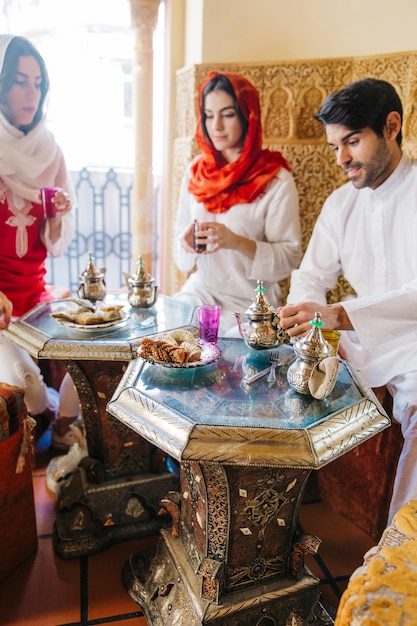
(67,316)
(193,349)
(162,351)
(169,351)
(81,316)
(111,313)
(112,307)
(167,338)
(88,317)
(181,334)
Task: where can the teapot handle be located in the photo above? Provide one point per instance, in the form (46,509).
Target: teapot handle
(282,334)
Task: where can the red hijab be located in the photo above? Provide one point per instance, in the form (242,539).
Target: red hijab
(219,184)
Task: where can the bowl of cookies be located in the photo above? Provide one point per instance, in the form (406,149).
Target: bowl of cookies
(178,348)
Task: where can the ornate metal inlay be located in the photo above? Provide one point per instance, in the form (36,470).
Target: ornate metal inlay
(273,493)
(259,570)
(217,511)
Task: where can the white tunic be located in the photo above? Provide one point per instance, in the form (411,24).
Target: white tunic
(228,277)
(369,236)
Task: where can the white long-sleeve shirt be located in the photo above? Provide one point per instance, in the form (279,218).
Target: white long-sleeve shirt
(228,277)
(369,236)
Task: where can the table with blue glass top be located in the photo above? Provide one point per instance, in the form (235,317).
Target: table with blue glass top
(114,495)
(234,554)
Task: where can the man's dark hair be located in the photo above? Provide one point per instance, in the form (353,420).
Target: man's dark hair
(365,103)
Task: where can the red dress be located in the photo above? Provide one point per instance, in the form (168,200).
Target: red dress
(22,253)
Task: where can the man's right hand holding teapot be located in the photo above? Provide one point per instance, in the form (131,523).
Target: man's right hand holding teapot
(295,318)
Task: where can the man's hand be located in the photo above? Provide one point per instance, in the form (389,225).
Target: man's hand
(6,308)
(295,318)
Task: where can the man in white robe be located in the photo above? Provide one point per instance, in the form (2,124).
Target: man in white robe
(367,232)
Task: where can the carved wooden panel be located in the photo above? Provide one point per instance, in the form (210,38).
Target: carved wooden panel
(291,93)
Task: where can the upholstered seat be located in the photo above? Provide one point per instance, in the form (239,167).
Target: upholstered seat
(384,589)
(18,537)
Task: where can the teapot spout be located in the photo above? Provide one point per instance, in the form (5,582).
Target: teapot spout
(239,323)
(126,277)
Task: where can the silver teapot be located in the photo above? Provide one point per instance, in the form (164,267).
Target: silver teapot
(310,351)
(92,284)
(262,330)
(142,291)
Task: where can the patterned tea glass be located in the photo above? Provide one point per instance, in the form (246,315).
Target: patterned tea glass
(208,322)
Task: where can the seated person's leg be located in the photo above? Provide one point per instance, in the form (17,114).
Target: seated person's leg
(404,391)
(43,403)
(53,371)
(18,368)
(69,411)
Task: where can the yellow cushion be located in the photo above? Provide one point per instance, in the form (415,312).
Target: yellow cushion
(383,591)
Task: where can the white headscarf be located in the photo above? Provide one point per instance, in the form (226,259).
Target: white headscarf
(4,42)
(31,161)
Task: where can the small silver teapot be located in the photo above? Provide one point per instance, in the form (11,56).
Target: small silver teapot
(142,291)
(310,351)
(263,330)
(92,284)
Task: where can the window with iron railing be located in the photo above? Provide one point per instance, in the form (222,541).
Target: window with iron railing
(102,227)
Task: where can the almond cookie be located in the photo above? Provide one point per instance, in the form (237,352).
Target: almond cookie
(193,351)
(181,334)
(167,338)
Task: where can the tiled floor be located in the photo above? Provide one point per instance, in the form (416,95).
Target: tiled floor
(47,590)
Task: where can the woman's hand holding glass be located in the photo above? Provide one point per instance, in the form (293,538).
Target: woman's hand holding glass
(62,203)
(214,235)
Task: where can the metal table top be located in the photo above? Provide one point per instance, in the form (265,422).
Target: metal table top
(206,414)
(44,337)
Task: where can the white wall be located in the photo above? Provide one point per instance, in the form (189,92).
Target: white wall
(194,31)
(270,30)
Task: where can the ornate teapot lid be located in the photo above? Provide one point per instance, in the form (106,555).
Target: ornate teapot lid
(313,345)
(141,275)
(91,271)
(260,306)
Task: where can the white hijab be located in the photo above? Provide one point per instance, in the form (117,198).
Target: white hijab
(27,162)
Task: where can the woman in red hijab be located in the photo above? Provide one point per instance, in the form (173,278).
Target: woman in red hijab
(244,200)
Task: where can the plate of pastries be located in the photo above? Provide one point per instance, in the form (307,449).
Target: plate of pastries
(178,348)
(85,316)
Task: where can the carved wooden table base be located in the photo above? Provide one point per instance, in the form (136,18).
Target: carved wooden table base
(115,493)
(234,556)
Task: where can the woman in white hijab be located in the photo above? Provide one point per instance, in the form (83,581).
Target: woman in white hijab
(30,159)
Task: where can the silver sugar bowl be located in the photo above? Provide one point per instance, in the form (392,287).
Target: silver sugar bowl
(310,350)
(142,291)
(92,284)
